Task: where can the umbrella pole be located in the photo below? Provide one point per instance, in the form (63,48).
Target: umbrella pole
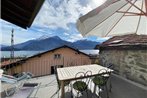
(146,6)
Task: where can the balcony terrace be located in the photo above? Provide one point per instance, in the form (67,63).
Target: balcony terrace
(47,87)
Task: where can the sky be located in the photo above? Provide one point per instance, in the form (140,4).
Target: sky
(55,18)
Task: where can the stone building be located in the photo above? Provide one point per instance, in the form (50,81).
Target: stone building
(128,55)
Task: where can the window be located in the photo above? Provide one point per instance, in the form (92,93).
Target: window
(57,56)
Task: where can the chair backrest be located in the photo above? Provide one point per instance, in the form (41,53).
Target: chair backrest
(79,82)
(88,74)
(12,79)
(103,76)
(8,79)
(102,71)
(79,74)
(24,75)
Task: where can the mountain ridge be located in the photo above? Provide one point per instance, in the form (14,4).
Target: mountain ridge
(51,43)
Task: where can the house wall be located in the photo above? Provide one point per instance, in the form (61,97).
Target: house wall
(41,65)
(131,64)
(95,60)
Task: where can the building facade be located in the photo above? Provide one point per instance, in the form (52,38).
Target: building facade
(128,55)
(47,62)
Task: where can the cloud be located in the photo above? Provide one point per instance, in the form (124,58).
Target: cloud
(20,35)
(56,18)
(99,39)
(59,13)
(75,37)
(66,34)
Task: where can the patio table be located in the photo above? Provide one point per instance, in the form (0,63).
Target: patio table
(68,73)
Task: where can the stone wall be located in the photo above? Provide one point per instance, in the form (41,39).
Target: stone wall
(131,64)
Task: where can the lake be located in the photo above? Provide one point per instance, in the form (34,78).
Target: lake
(30,53)
(18,53)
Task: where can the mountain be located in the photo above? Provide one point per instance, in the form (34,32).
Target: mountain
(85,44)
(47,43)
(2,45)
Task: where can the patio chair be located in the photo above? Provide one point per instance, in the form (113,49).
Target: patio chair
(101,81)
(15,82)
(81,85)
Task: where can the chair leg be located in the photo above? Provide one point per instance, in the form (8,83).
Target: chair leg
(71,93)
(96,91)
(107,94)
(99,93)
(58,95)
(78,94)
(68,87)
(87,94)
(110,86)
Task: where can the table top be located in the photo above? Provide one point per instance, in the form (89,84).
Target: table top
(68,73)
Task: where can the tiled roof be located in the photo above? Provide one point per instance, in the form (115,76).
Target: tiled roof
(126,40)
(8,62)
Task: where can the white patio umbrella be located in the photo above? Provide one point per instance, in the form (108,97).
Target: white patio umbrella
(115,17)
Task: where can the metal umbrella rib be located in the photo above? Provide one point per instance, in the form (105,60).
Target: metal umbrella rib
(115,18)
(119,20)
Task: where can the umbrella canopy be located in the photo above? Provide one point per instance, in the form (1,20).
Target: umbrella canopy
(115,17)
